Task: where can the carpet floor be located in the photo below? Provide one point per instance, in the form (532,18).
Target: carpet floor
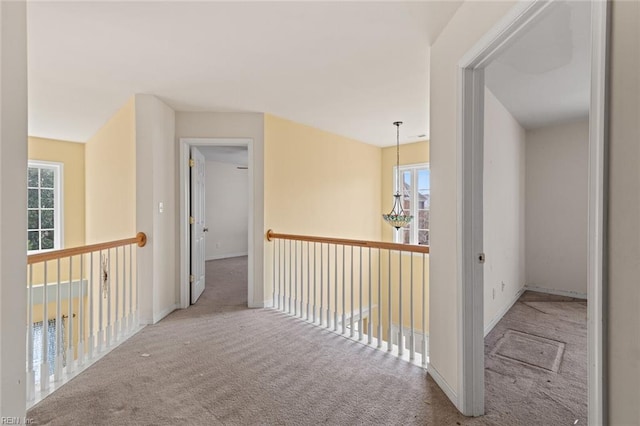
(219,363)
(536,361)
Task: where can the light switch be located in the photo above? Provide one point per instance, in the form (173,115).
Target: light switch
(160,207)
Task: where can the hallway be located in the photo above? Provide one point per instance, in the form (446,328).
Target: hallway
(221,363)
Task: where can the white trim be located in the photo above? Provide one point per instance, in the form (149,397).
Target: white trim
(166,312)
(503,312)
(226,256)
(566,293)
(183,173)
(469,163)
(58,202)
(597,214)
(441,382)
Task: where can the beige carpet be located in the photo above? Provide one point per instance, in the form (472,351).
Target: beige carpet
(220,363)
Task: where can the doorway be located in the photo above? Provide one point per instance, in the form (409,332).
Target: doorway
(220,157)
(471,228)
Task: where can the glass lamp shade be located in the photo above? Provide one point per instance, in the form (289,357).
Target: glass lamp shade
(397,216)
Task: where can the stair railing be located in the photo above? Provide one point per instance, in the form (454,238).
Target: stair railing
(370,291)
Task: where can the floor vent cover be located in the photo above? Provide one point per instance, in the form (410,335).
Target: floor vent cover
(534,351)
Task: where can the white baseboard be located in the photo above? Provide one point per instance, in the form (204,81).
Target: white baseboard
(268,303)
(226,256)
(253,305)
(573,294)
(502,312)
(164,313)
(442,383)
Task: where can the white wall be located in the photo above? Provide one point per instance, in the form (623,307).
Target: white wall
(556,208)
(155,184)
(471,21)
(237,125)
(13,199)
(226,210)
(504,210)
(623,249)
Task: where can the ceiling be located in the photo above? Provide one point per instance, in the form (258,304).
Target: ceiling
(352,68)
(543,78)
(236,155)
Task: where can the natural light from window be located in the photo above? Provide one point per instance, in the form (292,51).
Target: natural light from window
(416,183)
(44,206)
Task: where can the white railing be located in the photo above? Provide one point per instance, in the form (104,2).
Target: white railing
(373,292)
(81,302)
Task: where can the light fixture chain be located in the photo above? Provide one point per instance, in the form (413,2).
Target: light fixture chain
(398,158)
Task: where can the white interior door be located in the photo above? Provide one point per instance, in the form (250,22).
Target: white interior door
(197,221)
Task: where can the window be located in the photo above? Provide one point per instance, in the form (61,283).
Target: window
(415,190)
(44,206)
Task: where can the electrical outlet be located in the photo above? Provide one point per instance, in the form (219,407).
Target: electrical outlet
(217,245)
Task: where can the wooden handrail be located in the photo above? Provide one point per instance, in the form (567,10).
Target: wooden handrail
(140,239)
(345,242)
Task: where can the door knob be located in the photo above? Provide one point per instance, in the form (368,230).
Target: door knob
(205,229)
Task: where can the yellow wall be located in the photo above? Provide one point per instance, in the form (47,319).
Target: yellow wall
(110,160)
(411,153)
(318,183)
(70,154)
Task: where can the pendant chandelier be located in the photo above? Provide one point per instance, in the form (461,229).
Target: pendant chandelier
(397,217)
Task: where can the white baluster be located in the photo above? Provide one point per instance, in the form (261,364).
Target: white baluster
(389,330)
(352,310)
(44,365)
(379,345)
(360,300)
(101,297)
(60,349)
(273,297)
(109,278)
(281,277)
(81,315)
(412,342)
(315,295)
(91,341)
(130,323)
(308,281)
(328,315)
(370,322)
(344,293)
(31,384)
(335,287)
(290,299)
(70,355)
(321,321)
(116,325)
(295,279)
(400,331)
(424,313)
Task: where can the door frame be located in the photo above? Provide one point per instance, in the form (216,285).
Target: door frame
(184,176)
(470,190)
